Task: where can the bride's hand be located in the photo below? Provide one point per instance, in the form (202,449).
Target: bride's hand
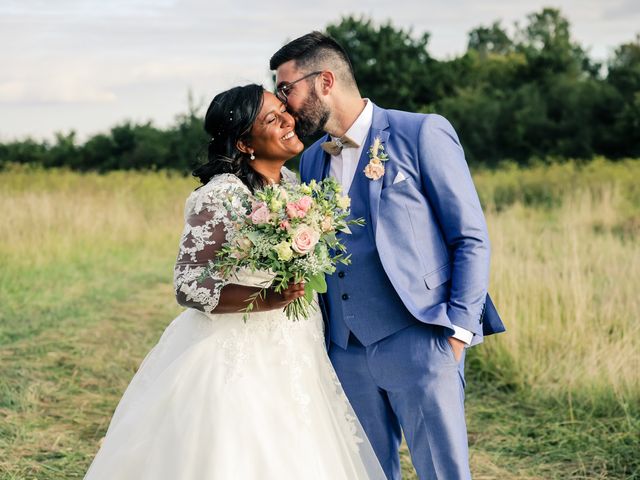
(285,297)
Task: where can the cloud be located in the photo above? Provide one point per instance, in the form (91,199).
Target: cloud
(50,81)
(84,8)
(58,91)
(84,63)
(623,10)
(12,91)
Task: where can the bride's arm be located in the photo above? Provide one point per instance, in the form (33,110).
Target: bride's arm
(234,298)
(207,227)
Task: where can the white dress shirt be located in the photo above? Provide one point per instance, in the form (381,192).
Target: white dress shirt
(343,169)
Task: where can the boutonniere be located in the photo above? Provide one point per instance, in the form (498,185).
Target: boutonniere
(377,156)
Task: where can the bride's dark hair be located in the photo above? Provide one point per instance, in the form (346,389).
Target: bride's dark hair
(228,119)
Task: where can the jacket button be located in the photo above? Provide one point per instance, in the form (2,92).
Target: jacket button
(341,274)
(345,296)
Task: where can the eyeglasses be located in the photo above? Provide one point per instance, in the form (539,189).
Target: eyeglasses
(284,89)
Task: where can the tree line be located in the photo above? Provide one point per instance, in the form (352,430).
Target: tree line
(530,94)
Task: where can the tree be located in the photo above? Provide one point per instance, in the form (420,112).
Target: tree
(546,43)
(624,78)
(188,140)
(493,39)
(391,66)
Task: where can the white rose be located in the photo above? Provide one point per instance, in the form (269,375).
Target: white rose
(305,239)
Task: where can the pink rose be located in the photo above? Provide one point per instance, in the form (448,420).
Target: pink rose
(374,171)
(305,203)
(260,214)
(300,208)
(294,211)
(285,225)
(304,239)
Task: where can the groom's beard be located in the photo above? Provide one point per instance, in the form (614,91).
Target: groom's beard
(312,116)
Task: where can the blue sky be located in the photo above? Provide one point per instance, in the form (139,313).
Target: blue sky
(89,64)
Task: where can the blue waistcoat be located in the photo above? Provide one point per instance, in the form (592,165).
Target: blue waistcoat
(360,297)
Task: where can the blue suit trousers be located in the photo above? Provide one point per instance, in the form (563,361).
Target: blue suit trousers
(409,383)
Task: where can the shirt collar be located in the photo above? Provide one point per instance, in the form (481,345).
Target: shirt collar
(360,128)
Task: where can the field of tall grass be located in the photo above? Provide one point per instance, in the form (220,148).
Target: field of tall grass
(85,289)
(566,276)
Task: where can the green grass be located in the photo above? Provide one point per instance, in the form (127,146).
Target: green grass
(85,291)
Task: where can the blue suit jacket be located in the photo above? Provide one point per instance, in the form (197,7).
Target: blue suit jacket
(429,228)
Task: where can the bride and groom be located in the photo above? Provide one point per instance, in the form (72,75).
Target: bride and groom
(329,397)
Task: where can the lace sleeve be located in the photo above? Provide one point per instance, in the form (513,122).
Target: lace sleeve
(207,228)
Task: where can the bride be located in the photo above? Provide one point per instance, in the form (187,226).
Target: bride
(217,397)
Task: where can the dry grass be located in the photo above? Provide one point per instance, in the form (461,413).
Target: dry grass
(570,297)
(85,290)
(566,282)
(56,214)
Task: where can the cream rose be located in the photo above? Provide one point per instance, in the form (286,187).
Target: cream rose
(283,249)
(374,171)
(304,239)
(326,224)
(275,204)
(344,202)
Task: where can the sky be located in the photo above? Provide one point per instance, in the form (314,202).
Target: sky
(86,65)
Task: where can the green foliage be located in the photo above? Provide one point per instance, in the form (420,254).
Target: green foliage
(391,59)
(127,146)
(488,40)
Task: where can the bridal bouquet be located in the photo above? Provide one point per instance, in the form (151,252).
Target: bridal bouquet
(290,231)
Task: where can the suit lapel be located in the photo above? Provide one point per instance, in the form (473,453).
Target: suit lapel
(320,166)
(362,162)
(379,128)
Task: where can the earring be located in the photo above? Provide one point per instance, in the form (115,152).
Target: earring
(252,157)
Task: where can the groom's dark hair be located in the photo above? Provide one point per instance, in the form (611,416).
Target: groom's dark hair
(316,51)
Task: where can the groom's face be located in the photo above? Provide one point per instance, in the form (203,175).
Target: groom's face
(303,102)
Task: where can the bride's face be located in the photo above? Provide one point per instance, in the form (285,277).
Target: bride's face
(273,136)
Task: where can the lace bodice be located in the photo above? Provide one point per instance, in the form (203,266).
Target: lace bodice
(208,227)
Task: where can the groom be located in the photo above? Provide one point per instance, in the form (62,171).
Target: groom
(415,295)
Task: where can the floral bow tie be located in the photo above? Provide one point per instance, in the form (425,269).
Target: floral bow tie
(335,146)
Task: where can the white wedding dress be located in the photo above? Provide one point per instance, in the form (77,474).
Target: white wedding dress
(220,398)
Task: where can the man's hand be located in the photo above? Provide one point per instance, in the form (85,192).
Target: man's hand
(457,346)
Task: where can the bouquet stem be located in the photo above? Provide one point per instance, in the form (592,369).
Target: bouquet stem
(299,309)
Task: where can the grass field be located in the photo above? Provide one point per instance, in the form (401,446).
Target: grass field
(85,291)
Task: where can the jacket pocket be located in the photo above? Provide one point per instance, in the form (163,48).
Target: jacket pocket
(438,276)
